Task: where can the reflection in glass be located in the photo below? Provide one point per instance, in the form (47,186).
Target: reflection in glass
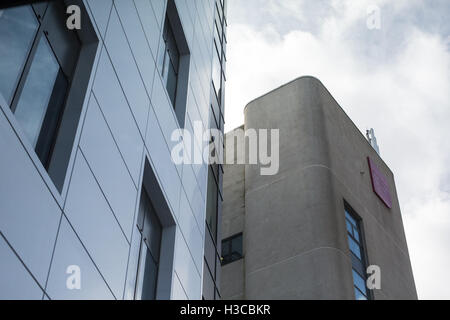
(359,282)
(232,249)
(358,260)
(211,205)
(359,296)
(354,247)
(171,62)
(150,278)
(38,89)
(18,27)
(236,247)
(148,265)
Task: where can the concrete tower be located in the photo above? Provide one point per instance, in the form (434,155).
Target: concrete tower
(311,231)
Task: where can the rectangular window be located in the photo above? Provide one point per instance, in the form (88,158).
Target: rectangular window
(358,254)
(39,55)
(232,249)
(216,74)
(18,28)
(211,204)
(150,230)
(174,61)
(152,248)
(171,62)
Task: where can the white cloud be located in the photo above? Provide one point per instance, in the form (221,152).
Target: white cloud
(396,80)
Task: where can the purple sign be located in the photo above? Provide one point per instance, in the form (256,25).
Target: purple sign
(380,184)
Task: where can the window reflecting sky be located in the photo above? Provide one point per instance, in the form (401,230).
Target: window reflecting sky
(18,27)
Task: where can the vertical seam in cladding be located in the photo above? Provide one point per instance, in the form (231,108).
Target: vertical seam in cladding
(136,210)
(21,261)
(181,284)
(114,139)
(122,90)
(100,48)
(59,203)
(104,195)
(89,255)
(132,54)
(53,253)
(145,34)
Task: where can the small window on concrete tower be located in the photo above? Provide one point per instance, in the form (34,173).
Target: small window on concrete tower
(232,249)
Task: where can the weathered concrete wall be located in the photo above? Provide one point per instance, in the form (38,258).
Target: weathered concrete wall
(383,227)
(295,238)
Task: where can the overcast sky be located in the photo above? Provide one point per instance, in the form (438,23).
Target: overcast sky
(395,79)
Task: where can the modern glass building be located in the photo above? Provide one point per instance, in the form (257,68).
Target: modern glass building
(91,204)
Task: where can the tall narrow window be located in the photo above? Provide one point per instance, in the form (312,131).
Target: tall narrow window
(150,263)
(358,254)
(38,64)
(150,230)
(171,62)
(211,204)
(18,27)
(41,102)
(174,61)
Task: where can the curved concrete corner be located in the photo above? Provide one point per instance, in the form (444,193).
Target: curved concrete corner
(295,236)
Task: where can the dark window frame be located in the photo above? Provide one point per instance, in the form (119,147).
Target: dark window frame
(68,131)
(155,195)
(228,245)
(48,131)
(147,211)
(173,30)
(358,265)
(171,53)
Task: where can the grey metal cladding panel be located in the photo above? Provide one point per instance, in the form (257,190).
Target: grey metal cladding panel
(191,231)
(159,7)
(164,111)
(95,224)
(178,290)
(186,270)
(194,115)
(193,193)
(127,71)
(138,41)
(118,115)
(70,252)
(149,24)
(108,166)
(164,167)
(186,20)
(15,281)
(100,10)
(29,215)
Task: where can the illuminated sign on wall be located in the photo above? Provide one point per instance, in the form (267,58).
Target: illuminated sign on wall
(380,184)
